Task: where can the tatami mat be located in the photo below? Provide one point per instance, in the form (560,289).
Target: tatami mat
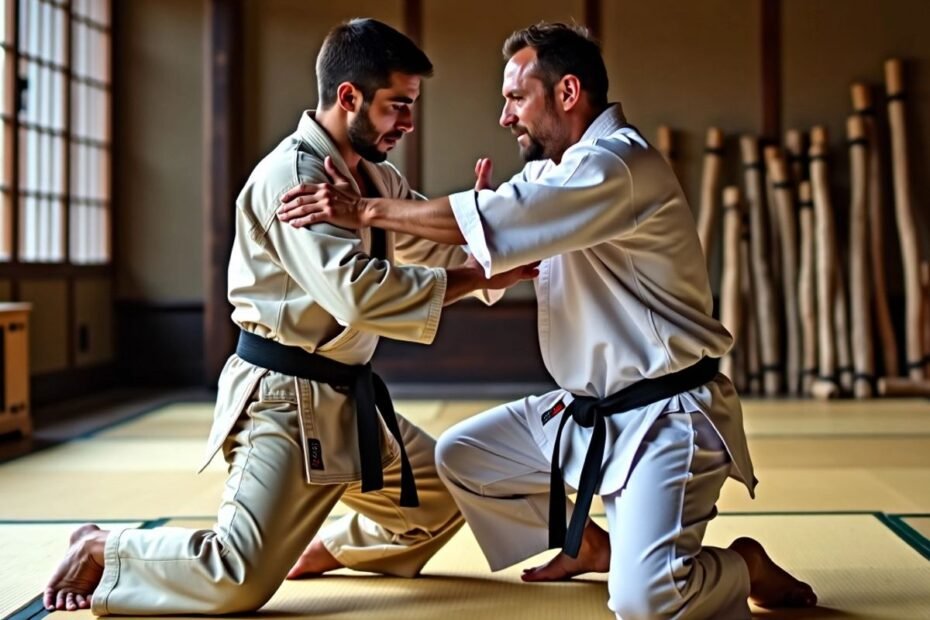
(809,457)
(859,568)
(838,417)
(30,553)
(921,525)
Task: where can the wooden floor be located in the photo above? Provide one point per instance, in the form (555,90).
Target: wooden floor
(843,499)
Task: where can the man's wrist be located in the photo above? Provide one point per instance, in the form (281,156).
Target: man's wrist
(367,211)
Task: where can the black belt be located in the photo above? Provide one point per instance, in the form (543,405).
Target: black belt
(368,389)
(587,412)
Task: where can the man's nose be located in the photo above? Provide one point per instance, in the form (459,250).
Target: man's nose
(405,122)
(508,119)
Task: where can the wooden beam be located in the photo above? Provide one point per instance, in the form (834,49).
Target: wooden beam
(593,12)
(12,77)
(71,296)
(221,176)
(413,156)
(771,70)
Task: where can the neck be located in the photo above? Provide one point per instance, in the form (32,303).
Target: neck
(578,125)
(334,122)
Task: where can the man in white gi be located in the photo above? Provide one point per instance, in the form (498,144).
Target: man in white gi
(296,411)
(626,330)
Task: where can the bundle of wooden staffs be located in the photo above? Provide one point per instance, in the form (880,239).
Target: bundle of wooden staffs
(809,310)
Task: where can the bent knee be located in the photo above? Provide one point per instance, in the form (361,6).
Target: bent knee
(244,597)
(646,599)
(454,458)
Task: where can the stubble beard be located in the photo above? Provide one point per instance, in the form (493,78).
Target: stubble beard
(363,137)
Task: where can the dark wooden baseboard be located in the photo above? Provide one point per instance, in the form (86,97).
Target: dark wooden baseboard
(160,344)
(55,387)
(475,344)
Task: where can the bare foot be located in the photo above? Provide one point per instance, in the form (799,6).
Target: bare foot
(770,586)
(78,574)
(314,561)
(593,557)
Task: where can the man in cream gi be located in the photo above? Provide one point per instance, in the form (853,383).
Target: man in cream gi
(295,415)
(625,328)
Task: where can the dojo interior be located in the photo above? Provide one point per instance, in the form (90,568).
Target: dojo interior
(129,126)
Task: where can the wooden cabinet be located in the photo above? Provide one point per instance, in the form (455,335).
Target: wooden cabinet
(15,412)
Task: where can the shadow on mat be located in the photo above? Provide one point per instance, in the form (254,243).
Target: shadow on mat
(436,597)
(817,613)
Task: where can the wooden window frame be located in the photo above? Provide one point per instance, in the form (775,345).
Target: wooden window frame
(13,268)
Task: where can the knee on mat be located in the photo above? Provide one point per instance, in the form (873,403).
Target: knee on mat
(642,598)
(243,597)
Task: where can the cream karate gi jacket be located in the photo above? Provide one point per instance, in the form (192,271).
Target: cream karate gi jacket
(623,292)
(317,288)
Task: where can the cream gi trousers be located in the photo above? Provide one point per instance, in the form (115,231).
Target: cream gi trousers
(267,516)
(499,477)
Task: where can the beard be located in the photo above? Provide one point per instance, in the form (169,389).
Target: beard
(546,138)
(363,137)
(534,151)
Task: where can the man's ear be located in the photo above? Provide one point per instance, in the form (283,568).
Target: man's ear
(348,97)
(568,91)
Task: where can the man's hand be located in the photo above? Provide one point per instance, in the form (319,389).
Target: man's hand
(483,170)
(470,277)
(309,203)
(507,278)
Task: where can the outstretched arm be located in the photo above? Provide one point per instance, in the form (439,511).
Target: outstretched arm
(312,203)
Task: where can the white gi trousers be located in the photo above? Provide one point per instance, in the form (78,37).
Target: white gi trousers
(499,477)
(267,516)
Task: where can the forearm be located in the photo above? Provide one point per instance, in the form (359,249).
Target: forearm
(460,282)
(430,219)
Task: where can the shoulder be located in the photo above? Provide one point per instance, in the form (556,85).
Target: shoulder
(395,182)
(285,167)
(289,164)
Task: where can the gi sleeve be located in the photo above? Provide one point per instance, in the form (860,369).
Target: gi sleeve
(413,250)
(584,200)
(360,292)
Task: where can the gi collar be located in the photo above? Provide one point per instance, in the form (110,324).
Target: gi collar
(310,132)
(608,122)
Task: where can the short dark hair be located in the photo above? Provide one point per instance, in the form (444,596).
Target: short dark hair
(365,52)
(563,49)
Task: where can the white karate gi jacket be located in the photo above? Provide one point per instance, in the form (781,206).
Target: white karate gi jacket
(623,292)
(317,288)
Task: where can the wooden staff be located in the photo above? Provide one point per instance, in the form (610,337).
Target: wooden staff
(783,205)
(795,140)
(907,229)
(665,142)
(807,288)
(730,291)
(925,278)
(859,289)
(844,361)
(750,336)
(761,270)
(774,228)
(825,386)
(901,386)
(862,104)
(710,188)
